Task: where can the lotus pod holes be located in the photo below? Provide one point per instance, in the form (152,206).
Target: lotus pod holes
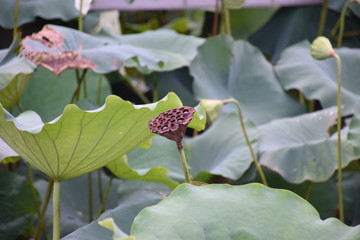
(172,124)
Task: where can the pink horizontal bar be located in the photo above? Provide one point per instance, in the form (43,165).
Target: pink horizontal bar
(190,4)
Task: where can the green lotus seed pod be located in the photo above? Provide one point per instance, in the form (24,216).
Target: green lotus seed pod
(321,48)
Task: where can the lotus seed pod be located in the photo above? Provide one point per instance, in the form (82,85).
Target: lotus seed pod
(321,48)
(212,107)
(172,124)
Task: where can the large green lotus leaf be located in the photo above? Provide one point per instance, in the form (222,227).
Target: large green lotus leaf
(14,72)
(45,87)
(6,151)
(59,48)
(29,10)
(250,211)
(354,134)
(222,149)
(17,205)
(132,197)
(300,148)
(318,79)
(224,69)
(81,141)
(180,49)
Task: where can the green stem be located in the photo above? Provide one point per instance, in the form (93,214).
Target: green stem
(40,226)
(226,18)
(79,80)
(80,18)
(98,98)
(183,162)
(135,90)
(90,194)
(31,179)
(309,187)
(56,210)
(16,18)
(103,200)
(342,23)
(100,184)
(323,16)
(155,87)
(340,191)
(253,155)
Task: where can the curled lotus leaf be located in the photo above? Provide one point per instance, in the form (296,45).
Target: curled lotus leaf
(29,10)
(81,141)
(59,48)
(14,75)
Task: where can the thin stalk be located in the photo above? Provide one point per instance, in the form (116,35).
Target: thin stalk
(137,91)
(311,106)
(40,227)
(309,187)
(56,210)
(323,16)
(33,191)
(16,18)
(90,194)
(98,98)
(80,18)
(100,184)
(85,87)
(103,200)
(183,162)
(226,18)
(155,87)
(253,155)
(342,23)
(79,80)
(340,191)
(216,19)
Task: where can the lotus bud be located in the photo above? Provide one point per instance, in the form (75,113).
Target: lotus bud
(321,48)
(212,107)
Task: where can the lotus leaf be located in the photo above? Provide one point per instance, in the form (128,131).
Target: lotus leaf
(14,72)
(301,148)
(29,10)
(59,48)
(318,79)
(225,68)
(354,134)
(250,211)
(80,141)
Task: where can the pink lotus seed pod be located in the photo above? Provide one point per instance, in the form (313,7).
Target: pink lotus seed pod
(172,124)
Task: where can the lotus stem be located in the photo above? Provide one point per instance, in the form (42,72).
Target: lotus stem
(342,23)
(90,196)
(105,196)
(323,15)
(80,18)
(98,98)
(16,18)
(100,184)
(56,210)
(253,155)
(309,188)
(40,226)
(226,18)
(183,162)
(155,87)
(339,157)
